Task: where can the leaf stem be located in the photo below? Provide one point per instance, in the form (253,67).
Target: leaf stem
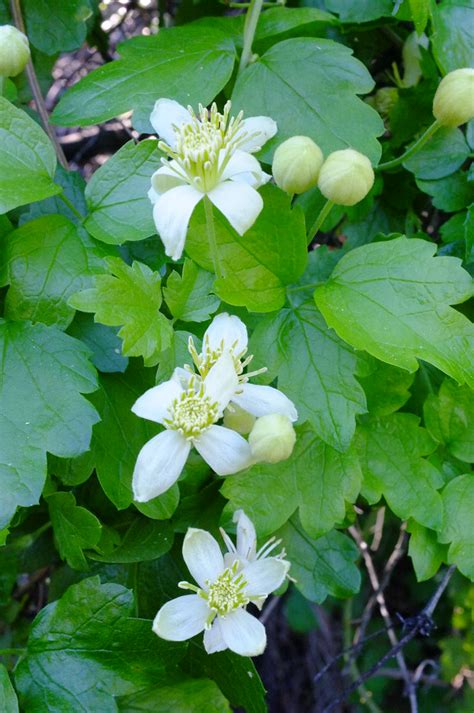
(211,236)
(12,652)
(325,210)
(71,206)
(414,148)
(250,26)
(36,90)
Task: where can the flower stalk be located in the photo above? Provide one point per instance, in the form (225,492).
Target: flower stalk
(250,27)
(424,138)
(323,214)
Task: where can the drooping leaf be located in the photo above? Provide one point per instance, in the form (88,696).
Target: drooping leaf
(449,417)
(392,299)
(453,36)
(129,296)
(56,26)
(457,530)
(8,699)
(291,83)
(27,159)
(189,295)
(190,64)
(43,375)
(425,551)
(75,528)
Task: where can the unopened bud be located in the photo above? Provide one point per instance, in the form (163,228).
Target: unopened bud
(14,51)
(238,419)
(272,438)
(346,177)
(296,164)
(453,102)
(385,100)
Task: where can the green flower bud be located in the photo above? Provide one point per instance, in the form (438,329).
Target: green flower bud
(14,51)
(238,419)
(385,100)
(346,177)
(272,438)
(296,164)
(453,102)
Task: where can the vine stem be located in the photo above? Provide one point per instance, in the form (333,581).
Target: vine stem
(250,26)
(211,235)
(424,138)
(36,90)
(323,214)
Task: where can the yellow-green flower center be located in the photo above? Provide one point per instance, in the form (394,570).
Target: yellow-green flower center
(192,413)
(227,593)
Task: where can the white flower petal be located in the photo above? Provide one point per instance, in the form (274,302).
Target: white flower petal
(159,465)
(153,195)
(154,404)
(246,535)
(243,633)
(183,377)
(213,640)
(171,214)
(224,450)
(242,166)
(263,576)
(181,618)
(264,400)
(203,556)
(166,114)
(164,179)
(228,331)
(258,130)
(239,202)
(222,381)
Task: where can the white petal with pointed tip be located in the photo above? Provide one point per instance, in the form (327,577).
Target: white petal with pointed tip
(154,404)
(203,556)
(264,576)
(159,465)
(239,202)
(166,114)
(265,400)
(171,214)
(181,618)
(242,166)
(222,381)
(259,129)
(243,633)
(246,535)
(165,178)
(213,640)
(227,330)
(224,450)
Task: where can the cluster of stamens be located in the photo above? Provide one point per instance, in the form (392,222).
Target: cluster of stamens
(192,412)
(227,593)
(205,360)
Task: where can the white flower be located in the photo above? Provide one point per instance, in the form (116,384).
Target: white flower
(189,407)
(228,334)
(211,154)
(218,605)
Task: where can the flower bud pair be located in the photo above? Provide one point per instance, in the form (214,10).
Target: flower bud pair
(14,51)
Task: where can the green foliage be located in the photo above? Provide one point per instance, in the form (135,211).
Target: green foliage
(449,417)
(458,502)
(8,699)
(189,295)
(453,34)
(55,26)
(75,528)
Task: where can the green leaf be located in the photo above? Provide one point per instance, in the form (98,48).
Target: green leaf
(291,83)
(451,193)
(315,369)
(144,540)
(72,471)
(391,450)
(119,208)
(255,267)
(130,296)
(316,479)
(43,375)
(48,260)
(189,295)
(360,10)
(392,299)
(73,186)
(176,355)
(449,417)
(8,699)
(280,23)
(85,649)
(444,153)
(420,12)
(453,36)
(56,26)
(458,502)
(27,159)
(75,528)
(323,566)
(386,387)
(185,695)
(104,343)
(425,551)
(183,63)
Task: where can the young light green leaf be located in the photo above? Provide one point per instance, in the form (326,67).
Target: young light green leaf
(48,260)
(27,159)
(119,207)
(43,375)
(56,26)
(84,649)
(392,299)
(291,83)
(190,64)
(449,417)
(457,530)
(75,528)
(425,551)
(8,699)
(189,295)
(390,450)
(130,296)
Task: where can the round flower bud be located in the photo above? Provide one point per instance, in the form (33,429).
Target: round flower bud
(296,164)
(453,103)
(346,177)
(14,51)
(238,419)
(272,438)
